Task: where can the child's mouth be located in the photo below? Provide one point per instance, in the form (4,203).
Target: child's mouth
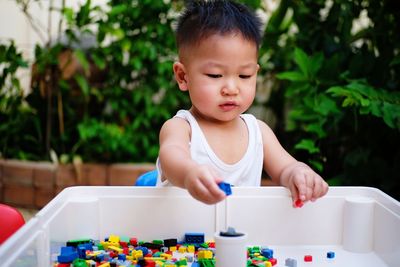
(228,106)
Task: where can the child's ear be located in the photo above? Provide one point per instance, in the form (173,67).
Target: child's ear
(180,76)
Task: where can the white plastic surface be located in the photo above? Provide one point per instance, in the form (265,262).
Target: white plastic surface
(264,213)
(232,250)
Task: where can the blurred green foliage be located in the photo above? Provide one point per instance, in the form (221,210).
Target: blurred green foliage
(337,92)
(335,86)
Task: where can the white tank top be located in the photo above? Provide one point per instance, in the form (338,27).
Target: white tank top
(246,172)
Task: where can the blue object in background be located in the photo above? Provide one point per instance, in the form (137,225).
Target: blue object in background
(147,179)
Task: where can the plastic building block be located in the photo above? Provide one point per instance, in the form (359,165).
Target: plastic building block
(133,241)
(226,188)
(298,203)
(79,263)
(68,255)
(76,242)
(152,245)
(291,262)
(273,261)
(308,258)
(330,254)
(268,253)
(170,242)
(194,238)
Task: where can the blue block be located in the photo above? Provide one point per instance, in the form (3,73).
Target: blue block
(330,255)
(268,253)
(67,255)
(194,238)
(226,188)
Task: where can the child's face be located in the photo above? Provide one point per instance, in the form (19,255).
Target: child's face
(220,75)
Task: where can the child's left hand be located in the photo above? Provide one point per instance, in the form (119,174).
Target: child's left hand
(303,182)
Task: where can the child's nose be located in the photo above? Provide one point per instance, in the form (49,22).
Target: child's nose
(230,88)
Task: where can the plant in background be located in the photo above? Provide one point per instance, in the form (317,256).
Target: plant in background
(16,116)
(104,86)
(339,80)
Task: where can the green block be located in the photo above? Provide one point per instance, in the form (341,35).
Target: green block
(204,245)
(79,263)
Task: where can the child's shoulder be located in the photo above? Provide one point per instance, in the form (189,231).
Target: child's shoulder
(176,124)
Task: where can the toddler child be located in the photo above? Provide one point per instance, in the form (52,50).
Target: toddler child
(214,140)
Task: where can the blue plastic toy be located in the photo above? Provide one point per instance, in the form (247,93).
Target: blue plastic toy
(147,179)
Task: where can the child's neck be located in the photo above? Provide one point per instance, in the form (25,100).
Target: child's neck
(206,121)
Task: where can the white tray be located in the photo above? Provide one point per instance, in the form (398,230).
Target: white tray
(360,224)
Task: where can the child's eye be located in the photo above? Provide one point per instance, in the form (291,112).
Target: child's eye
(214,76)
(244,76)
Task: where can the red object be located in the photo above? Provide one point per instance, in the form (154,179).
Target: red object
(133,241)
(63,265)
(273,261)
(307,258)
(11,221)
(298,203)
(123,244)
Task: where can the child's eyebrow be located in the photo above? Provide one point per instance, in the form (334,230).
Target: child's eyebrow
(219,65)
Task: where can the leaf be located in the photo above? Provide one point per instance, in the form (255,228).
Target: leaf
(69,15)
(317,165)
(308,145)
(317,129)
(302,60)
(293,76)
(83,84)
(80,55)
(99,62)
(118,9)
(315,64)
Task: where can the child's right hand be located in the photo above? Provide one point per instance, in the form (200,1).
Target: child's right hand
(202,183)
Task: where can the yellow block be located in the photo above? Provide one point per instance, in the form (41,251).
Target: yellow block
(166,256)
(107,264)
(154,258)
(182,249)
(191,249)
(204,254)
(172,248)
(113,239)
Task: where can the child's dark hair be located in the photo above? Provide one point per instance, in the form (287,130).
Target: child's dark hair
(204,18)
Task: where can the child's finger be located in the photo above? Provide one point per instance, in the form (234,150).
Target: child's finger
(318,188)
(300,183)
(295,194)
(215,191)
(201,193)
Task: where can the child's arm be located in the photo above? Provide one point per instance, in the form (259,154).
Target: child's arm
(178,167)
(298,177)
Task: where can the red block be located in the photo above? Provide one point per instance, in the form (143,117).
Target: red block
(123,244)
(298,203)
(133,241)
(308,258)
(273,261)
